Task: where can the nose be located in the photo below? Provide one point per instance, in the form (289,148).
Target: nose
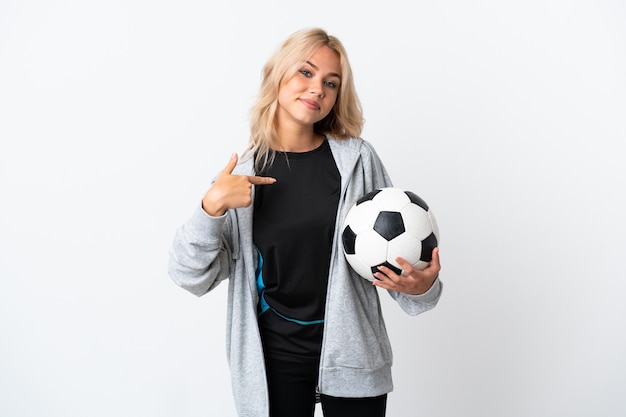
(317,88)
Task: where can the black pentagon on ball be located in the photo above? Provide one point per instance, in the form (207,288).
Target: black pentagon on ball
(415,199)
(349,237)
(389,224)
(395,269)
(367,197)
(428,245)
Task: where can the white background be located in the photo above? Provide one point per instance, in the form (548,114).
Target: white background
(507,117)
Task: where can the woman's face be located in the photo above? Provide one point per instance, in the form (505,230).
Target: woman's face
(311,93)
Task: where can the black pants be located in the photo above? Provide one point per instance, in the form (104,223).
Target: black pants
(292,394)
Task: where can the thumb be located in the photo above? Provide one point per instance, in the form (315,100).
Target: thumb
(232,163)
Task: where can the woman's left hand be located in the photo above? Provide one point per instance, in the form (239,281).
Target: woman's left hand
(411,280)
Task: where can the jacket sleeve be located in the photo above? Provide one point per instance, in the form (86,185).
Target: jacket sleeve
(200,255)
(416,304)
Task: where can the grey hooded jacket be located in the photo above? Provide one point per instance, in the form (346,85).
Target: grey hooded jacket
(356,355)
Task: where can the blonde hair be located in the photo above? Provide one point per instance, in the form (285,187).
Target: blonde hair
(344,120)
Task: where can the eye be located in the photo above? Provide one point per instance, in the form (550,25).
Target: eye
(331,84)
(306,73)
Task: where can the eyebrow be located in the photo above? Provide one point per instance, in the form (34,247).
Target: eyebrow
(332,74)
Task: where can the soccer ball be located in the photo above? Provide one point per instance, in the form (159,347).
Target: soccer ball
(387,223)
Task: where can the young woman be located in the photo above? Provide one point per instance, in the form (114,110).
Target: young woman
(301,324)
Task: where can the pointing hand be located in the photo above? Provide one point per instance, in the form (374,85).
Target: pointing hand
(231,191)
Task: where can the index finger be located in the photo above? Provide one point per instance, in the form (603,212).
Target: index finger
(232,163)
(256,180)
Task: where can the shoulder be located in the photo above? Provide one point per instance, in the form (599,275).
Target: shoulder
(351,145)
(351,153)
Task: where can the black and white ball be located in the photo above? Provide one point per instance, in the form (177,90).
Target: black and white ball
(387,223)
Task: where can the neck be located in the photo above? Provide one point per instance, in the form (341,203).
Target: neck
(298,140)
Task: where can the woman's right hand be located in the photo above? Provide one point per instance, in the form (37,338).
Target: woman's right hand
(231,191)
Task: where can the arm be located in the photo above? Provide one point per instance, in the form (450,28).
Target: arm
(416,291)
(199,258)
(201,254)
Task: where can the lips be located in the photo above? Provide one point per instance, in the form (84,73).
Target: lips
(311,104)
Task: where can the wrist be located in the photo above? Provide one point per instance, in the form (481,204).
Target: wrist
(211,207)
